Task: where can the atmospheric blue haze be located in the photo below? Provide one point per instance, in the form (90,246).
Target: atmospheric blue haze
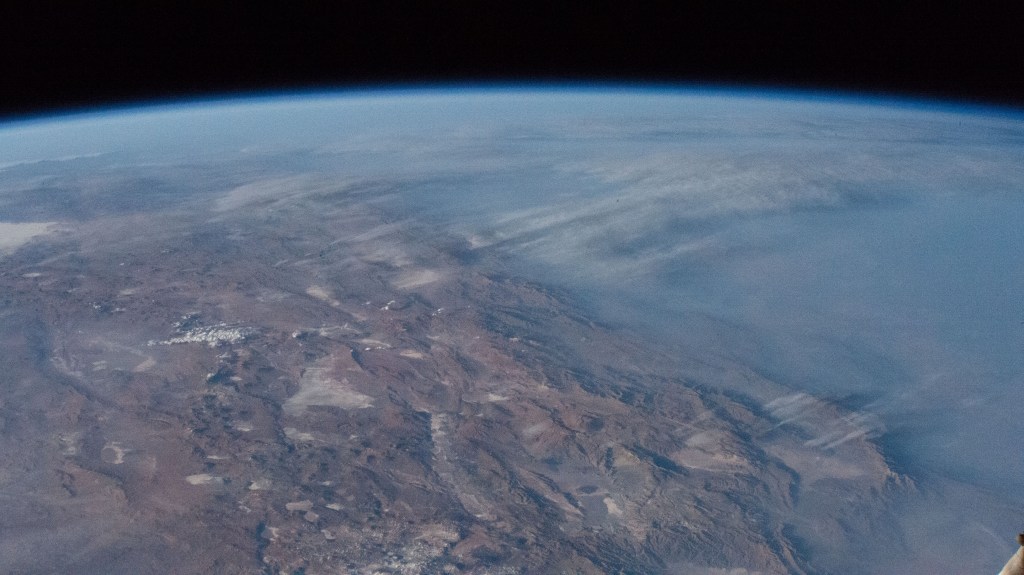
(867,252)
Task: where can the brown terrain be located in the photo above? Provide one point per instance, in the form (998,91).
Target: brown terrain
(299,383)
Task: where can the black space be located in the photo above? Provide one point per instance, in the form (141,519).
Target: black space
(58,57)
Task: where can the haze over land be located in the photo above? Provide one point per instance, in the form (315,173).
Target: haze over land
(635,332)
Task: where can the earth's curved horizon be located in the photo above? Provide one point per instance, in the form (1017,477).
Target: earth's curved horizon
(558,330)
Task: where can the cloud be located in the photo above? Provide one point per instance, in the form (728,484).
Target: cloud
(640,215)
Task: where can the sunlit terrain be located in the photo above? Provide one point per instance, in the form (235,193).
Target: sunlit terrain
(513,331)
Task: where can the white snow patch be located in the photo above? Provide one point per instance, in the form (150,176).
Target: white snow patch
(260,485)
(416,278)
(317,387)
(536,429)
(305,505)
(212,336)
(204,479)
(375,343)
(321,293)
(612,506)
(113,453)
(13,236)
(296,435)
